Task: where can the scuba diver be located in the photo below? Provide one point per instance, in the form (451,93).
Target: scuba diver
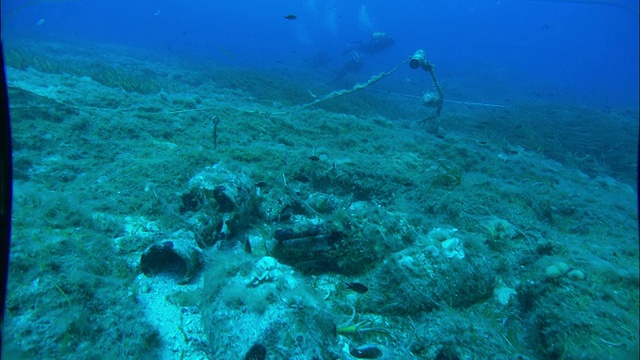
(379,42)
(353,65)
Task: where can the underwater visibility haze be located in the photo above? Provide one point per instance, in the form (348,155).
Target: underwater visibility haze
(323,179)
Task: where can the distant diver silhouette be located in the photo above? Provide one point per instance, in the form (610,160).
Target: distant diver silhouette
(379,42)
(353,65)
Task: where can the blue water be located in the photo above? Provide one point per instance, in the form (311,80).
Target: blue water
(583,53)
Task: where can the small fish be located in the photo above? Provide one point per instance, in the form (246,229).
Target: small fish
(314,158)
(291,17)
(225,52)
(360,288)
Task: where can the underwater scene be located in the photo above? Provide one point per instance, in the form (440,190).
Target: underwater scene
(319,179)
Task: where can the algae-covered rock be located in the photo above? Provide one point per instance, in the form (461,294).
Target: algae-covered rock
(251,305)
(217,185)
(413,281)
(499,233)
(576,275)
(222,201)
(556,270)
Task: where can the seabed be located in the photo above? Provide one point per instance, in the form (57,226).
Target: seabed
(487,233)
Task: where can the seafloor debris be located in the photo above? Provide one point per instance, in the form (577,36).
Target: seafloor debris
(175,257)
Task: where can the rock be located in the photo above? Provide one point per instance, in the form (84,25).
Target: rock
(556,270)
(576,275)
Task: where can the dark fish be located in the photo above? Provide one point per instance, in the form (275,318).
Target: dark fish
(360,288)
(365,352)
(257,352)
(247,246)
(314,158)
(290,17)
